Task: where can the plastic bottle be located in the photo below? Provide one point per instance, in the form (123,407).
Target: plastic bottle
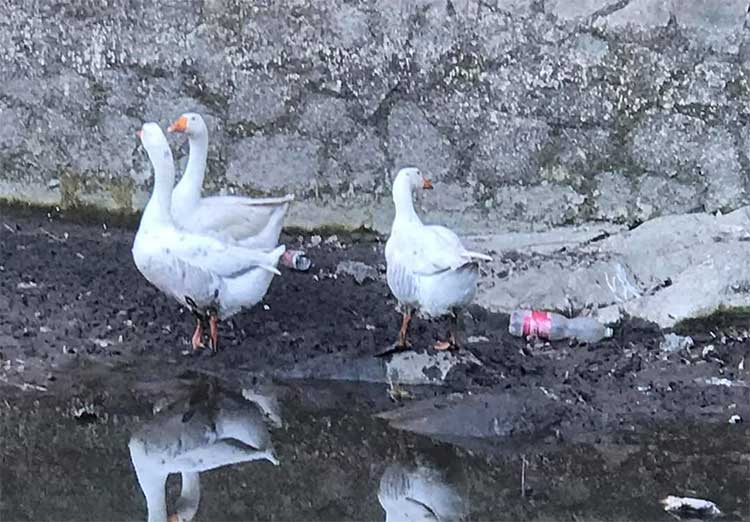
(296,260)
(552,326)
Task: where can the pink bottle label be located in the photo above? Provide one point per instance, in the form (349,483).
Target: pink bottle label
(537,324)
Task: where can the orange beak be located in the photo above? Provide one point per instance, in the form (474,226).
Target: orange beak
(426,184)
(139,134)
(179,126)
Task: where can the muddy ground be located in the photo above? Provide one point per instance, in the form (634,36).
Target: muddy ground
(70,295)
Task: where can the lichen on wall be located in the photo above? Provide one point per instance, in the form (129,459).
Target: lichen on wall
(532,113)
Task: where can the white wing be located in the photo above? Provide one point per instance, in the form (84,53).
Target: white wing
(428,250)
(237,216)
(218,257)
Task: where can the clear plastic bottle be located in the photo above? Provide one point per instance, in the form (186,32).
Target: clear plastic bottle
(296,260)
(552,326)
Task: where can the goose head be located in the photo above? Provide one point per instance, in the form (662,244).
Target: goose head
(412,179)
(190,124)
(156,145)
(408,181)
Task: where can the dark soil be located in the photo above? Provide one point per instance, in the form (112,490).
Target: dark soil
(70,293)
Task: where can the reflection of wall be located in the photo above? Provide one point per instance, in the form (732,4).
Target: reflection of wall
(547,112)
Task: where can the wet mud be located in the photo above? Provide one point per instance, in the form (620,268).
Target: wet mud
(78,324)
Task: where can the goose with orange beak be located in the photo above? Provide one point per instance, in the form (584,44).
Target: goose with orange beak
(252,222)
(213,278)
(428,269)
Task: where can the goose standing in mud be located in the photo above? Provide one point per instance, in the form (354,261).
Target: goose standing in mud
(428,269)
(211,277)
(252,222)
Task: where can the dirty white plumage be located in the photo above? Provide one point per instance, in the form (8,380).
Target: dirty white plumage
(211,272)
(428,268)
(252,222)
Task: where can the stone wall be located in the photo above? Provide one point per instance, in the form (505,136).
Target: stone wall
(528,113)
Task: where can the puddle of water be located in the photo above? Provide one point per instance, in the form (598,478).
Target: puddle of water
(312,451)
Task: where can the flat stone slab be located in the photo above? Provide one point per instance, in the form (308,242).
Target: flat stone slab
(666,270)
(407,368)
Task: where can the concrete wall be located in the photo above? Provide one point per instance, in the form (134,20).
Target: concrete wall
(529,113)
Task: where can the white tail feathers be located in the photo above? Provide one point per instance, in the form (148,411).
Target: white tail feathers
(277,252)
(476,255)
(259,202)
(274,256)
(271,269)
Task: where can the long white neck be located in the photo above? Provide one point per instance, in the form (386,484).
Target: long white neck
(159,206)
(153,484)
(152,479)
(188,190)
(190,496)
(403,201)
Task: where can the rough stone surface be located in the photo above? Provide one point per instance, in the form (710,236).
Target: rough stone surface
(666,270)
(535,114)
(361,272)
(674,343)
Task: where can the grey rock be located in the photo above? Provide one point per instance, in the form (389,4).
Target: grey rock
(361,272)
(613,196)
(414,141)
(668,144)
(719,24)
(723,172)
(259,97)
(273,163)
(350,25)
(518,160)
(668,269)
(641,14)
(674,343)
(448,200)
(425,367)
(363,161)
(575,10)
(326,119)
(706,85)
(656,194)
(544,204)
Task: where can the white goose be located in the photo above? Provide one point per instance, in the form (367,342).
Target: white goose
(253,222)
(428,269)
(204,438)
(208,275)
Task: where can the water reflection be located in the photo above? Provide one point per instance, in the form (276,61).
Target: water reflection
(207,430)
(339,461)
(422,493)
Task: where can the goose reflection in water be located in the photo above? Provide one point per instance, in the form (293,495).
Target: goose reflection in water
(422,493)
(207,431)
